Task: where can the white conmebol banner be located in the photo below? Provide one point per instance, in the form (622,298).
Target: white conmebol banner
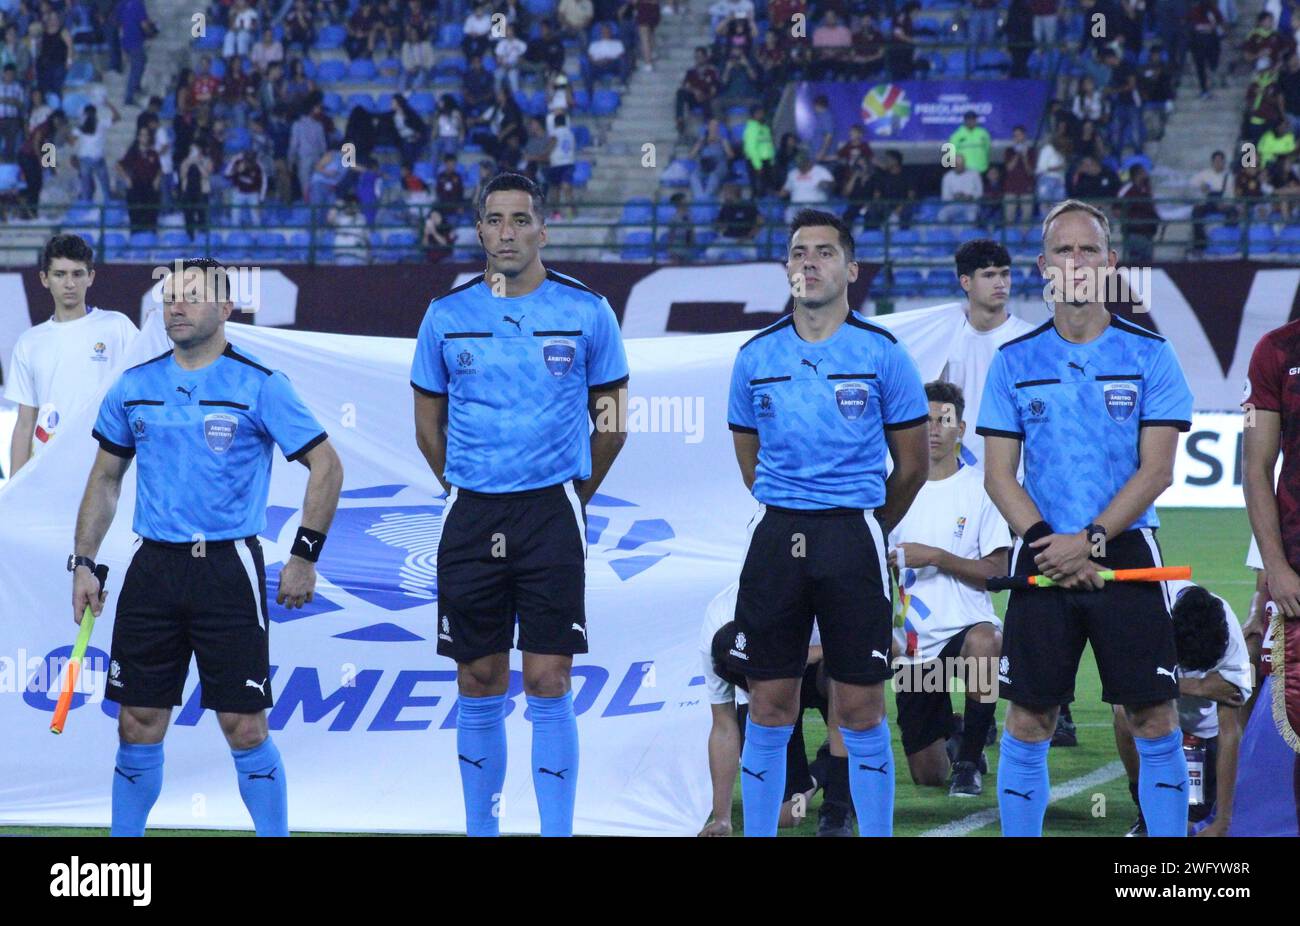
(365,708)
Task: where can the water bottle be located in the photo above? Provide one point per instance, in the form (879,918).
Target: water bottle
(1194,752)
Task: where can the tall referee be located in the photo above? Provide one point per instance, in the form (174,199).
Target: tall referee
(202,419)
(1097,403)
(510,371)
(817,401)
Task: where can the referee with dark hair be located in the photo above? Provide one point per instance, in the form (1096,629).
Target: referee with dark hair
(511,370)
(202,419)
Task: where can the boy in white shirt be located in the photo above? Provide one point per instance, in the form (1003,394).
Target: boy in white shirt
(61,363)
(950,543)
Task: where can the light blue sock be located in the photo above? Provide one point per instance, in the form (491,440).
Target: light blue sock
(1162,784)
(871,778)
(137,780)
(1023,786)
(263,787)
(481,754)
(555,761)
(762,776)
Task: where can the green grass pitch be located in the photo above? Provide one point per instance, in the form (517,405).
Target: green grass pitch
(1212,541)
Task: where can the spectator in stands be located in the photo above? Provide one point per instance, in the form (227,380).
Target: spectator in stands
(822,141)
(242,28)
(575,16)
(1277,142)
(368,187)
(195,189)
(1126,110)
(856,143)
(1214,185)
(1208,27)
(1101,19)
(981,29)
(299,28)
(537,150)
(1156,86)
(679,240)
(1265,42)
(1250,189)
(1137,212)
(415,193)
(37,109)
(990,207)
(893,195)
(971,142)
(360,131)
(1090,142)
(740,80)
(436,237)
(55,55)
(787,152)
(14,52)
(142,171)
(477,90)
(647,21)
(206,84)
(735,32)
(560,99)
(1128,26)
(1284,178)
(307,144)
(351,238)
(713,154)
(229,104)
(1088,101)
(451,128)
(1092,180)
(391,20)
(960,190)
(854,172)
(560,164)
(88,137)
(135,28)
(808,184)
(329,177)
(30,155)
(781,19)
(247,189)
(359,41)
(1265,106)
(901,57)
(417,61)
(1019,32)
(699,88)
(546,52)
(1018,165)
(737,219)
(831,42)
(412,132)
(509,51)
(449,187)
(1046,16)
(1288,82)
(606,57)
(756,143)
(866,56)
(11,113)
(266,52)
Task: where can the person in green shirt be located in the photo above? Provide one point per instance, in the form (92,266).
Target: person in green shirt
(1277,141)
(972,142)
(760,153)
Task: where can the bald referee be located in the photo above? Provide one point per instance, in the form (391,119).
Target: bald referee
(510,371)
(1096,403)
(203,420)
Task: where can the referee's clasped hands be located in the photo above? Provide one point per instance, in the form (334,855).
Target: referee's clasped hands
(297,583)
(1064,558)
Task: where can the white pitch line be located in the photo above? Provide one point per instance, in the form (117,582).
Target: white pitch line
(1060,792)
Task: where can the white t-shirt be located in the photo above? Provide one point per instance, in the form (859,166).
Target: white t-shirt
(605,50)
(804,188)
(162,143)
(720,610)
(58,366)
(969,357)
(509,51)
(565,151)
(957,515)
(477,25)
(966,183)
(91,145)
(725,9)
(1200,716)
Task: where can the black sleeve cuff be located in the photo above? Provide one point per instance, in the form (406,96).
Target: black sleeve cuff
(116,450)
(903,425)
(741,429)
(429,392)
(994,432)
(609,385)
(1165,423)
(306,448)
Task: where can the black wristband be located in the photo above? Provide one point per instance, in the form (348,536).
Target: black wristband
(308,544)
(1038,531)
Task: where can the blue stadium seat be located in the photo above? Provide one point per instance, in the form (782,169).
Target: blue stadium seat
(907,281)
(364,100)
(426,170)
(238,245)
(115,245)
(450,66)
(449,35)
(212,38)
(772,210)
(1260,237)
(332,102)
(605,102)
(389,68)
(703,213)
(869,240)
(299,243)
(271,246)
(331,71)
(581,99)
(330,37)
(664,212)
(637,212)
(11,180)
(540,8)
(237,139)
(1288,240)
(384,103)
(636,245)
(581,173)
(175,239)
(74,104)
(423,103)
(362,70)
(81,72)
(582,136)
(218,67)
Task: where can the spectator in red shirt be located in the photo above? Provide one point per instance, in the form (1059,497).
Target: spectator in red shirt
(142,170)
(698,89)
(449,188)
(234,88)
(206,86)
(247,189)
(1207,28)
(1018,177)
(299,30)
(1046,13)
(364,29)
(867,54)
(856,141)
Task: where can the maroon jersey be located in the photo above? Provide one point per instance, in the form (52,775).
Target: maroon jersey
(1274,386)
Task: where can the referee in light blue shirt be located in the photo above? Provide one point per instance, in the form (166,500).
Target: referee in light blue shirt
(510,371)
(818,400)
(203,419)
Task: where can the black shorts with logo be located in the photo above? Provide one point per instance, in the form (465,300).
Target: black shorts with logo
(513,554)
(926,716)
(175,603)
(1127,623)
(824,563)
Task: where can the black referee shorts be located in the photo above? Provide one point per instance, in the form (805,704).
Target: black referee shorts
(1127,623)
(174,604)
(828,564)
(513,554)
